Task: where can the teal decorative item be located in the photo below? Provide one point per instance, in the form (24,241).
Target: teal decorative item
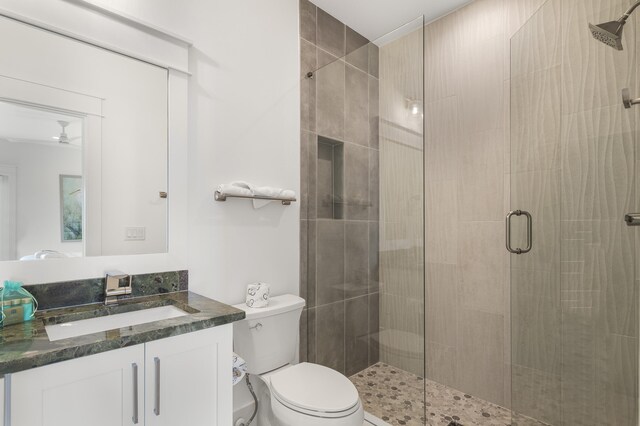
(16,304)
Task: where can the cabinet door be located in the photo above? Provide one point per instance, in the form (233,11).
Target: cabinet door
(1,402)
(96,390)
(189,379)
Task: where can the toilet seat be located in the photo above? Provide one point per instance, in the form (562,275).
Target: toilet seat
(315,390)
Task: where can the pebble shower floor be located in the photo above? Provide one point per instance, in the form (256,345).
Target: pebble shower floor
(396,397)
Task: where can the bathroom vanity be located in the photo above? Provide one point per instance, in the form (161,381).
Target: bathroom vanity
(172,371)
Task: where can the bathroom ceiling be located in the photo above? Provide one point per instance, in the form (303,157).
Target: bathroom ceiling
(23,124)
(375,18)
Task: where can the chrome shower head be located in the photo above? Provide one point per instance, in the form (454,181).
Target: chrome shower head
(609,33)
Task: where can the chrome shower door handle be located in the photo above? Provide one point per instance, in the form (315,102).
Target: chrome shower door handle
(134,418)
(527,215)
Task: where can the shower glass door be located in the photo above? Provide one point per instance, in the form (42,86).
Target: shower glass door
(574,296)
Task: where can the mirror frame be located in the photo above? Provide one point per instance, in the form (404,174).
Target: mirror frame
(146,43)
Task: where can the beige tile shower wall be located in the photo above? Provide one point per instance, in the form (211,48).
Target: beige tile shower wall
(599,299)
(574,154)
(467,186)
(401,205)
(536,133)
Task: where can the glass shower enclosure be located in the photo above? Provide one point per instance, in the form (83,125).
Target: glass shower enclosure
(574,169)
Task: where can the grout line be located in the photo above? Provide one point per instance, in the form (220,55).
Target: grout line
(350,65)
(344,26)
(347,142)
(307,41)
(344,292)
(335,58)
(326,219)
(348,299)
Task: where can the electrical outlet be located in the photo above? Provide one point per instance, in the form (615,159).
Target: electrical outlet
(135,233)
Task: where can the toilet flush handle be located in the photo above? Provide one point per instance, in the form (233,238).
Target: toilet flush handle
(256,327)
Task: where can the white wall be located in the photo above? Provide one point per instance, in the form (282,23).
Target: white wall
(243,124)
(38,170)
(243,104)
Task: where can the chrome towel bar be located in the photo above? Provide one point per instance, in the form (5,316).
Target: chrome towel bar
(219,196)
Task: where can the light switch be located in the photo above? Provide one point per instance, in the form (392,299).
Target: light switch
(135,233)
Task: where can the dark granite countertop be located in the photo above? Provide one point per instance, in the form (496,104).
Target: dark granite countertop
(25,346)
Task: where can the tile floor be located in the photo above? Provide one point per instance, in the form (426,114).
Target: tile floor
(395,396)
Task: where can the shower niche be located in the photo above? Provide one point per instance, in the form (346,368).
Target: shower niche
(330,179)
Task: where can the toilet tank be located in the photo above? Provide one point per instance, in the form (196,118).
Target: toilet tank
(268,337)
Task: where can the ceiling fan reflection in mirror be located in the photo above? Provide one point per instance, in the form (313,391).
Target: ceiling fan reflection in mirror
(63,138)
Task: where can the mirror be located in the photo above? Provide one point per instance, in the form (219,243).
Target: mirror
(83,149)
(45,147)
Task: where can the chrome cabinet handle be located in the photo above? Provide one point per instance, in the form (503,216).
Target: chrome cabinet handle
(156,408)
(7,401)
(134,418)
(527,215)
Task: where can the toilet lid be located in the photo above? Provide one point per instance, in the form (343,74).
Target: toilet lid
(314,387)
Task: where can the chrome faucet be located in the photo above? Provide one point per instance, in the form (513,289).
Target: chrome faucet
(116,284)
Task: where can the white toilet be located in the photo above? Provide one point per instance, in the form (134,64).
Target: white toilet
(303,394)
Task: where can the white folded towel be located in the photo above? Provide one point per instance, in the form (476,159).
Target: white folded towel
(239,189)
(258,295)
(269,191)
(239,368)
(246,189)
(50,254)
(46,254)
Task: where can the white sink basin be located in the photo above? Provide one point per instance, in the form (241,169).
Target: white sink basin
(111,322)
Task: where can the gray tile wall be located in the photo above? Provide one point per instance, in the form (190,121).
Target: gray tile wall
(339,200)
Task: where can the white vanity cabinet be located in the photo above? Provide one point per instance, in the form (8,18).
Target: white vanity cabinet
(181,380)
(96,390)
(189,379)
